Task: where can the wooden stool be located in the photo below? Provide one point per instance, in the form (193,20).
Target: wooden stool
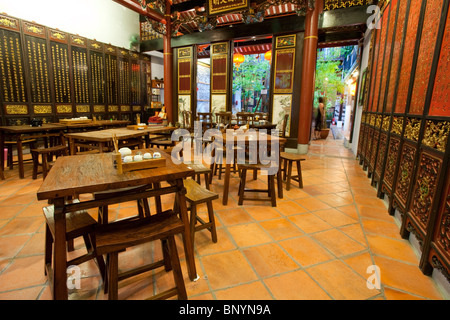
(10,144)
(201,169)
(45,153)
(288,159)
(78,223)
(116,237)
(270,187)
(195,195)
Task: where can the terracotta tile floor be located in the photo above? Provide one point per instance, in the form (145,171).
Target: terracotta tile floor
(316,244)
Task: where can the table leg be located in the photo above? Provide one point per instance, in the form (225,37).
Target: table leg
(226,183)
(2,148)
(188,244)
(20,158)
(59,264)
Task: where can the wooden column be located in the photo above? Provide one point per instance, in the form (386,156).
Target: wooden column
(308,75)
(168,65)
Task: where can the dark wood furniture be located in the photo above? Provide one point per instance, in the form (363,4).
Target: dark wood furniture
(10,146)
(243,168)
(90,173)
(47,154)
(101,140)
(206,119)
(237,139)
(243,118)
(21,133)
(288,159)
(224,118)
(78,224)
(195,195)
(114,238)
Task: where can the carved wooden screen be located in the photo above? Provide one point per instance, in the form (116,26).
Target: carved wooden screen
(184,80)
(220,68)
(284,50)
(49,74)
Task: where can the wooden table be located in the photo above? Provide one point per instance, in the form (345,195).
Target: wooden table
(20,133)
(95,125)
(244,139)
(104,137)
(89,173)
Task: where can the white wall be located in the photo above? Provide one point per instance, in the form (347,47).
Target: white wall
(102,20)
(364,63)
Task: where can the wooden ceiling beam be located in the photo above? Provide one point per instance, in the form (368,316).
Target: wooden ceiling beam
(136,7)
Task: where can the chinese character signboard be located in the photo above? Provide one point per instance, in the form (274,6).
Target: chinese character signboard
(226,6)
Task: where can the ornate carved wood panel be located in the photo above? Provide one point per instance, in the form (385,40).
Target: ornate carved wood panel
(405,175)
(391,162)
(424,191)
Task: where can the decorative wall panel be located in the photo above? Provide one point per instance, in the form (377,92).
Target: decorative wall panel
(440,102)
(219,67)
(408,54)
(428,38)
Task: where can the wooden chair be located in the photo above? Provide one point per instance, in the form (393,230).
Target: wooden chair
(223,118)
(243,118)
(261,116)
(48,154)
(200,169)
(114,238)
(270,186)
(78,224)
(161,140)
(206,119)
(284,126)
(195,195)
(187,121)
(288,159)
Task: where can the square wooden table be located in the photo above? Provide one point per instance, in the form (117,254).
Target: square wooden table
(89,173)
(20,133)
(244,139)
(104,137)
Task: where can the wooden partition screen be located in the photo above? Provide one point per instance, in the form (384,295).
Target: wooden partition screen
(220,75)
(49,74)
(406,123)
(184,68)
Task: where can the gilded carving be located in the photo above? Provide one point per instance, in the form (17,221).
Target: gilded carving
(99,108)
(137,108)
(82,108)
(63,108)
(412,129)
(58,35)
(42,109)
(378,120)
(425,188)
(443,234)
(391,162)
(125,108)
(386,122)
(381,153)
(16,109)
(113,108)
(11,23)
(34,29)
(436,134)
(397,125)
(405,173)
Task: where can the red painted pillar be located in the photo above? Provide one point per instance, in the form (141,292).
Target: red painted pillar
(168,65)
(308,75)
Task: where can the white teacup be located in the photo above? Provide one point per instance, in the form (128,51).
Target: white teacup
(128,159)
(156,155)
(138,157)
(147,155)
(125,151)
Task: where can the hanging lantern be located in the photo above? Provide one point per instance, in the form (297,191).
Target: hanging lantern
(238,59)
(268,55)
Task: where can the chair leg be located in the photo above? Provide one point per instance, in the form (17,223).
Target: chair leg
(299,174)
(193,221)
(48,247)
(289,174)
(177,273)
(272,190)
(212,221)
(242,186)
(113,273)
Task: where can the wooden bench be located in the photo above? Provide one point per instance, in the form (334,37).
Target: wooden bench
(270,184)
(195,195)
(116,237)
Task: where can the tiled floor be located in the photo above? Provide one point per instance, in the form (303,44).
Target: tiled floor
(316,244)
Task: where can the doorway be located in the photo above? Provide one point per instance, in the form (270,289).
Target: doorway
(251,74)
